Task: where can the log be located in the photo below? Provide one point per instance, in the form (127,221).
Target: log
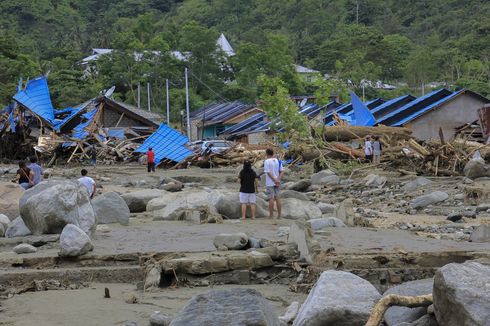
(338,133)
(384,303)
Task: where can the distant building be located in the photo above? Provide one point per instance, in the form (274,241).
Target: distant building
(306,74)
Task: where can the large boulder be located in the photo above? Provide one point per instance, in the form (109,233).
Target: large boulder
(338,298)
(374,180)
(324,177)
(301,185)
(74,242)
(138,200)
(461,294)
(10,194)
(230,241)
(4,224)
(49,206)
(294,209)
(481,234)
(111,208)
(429,199)
(396,315)
(325,222)
(234,307)
(415,184)
(294,194)
(476,168)
(17,228)
(229,206)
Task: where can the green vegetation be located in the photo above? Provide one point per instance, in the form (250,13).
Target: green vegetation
(408,43)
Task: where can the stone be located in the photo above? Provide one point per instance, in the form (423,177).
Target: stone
(50,205)
(415,184)
(74,242)
(302,235)
(233,307)
(317,178)
(282,231)
(454,217)
(290,313)
(325,222)
(2,230)
(138,200)
(253,242)
(330,180)
(294,194)
(228,205)
(111,208)
(24,248)
(4,220)
(429,199)
(10,194)
(476,168)
(481,234)
(461,294)
(159,319)
(396,315)
(374,180)
(301,185)
(299,209)
(425,320)
(469,214)
(173,186)
(17,228)
(482,207)
(326,208)
(231,241)
(338,298)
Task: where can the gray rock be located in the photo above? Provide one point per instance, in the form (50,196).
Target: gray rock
(24,248)
(299,209)
(426,320)
(429,199)
(138,200)
(469,214)
(228,205)
(374,180)
(159,319)
(338,298)
(301,234)
(294,194)
(4,220)
(2,230)
(301,185)
(322,177)
(476,168)
(396,315)
(326,222)
(461,295)
(326,208)
(50,205)
(234,307)
(173,186)
(415,184)
(111,208)
(453,217)
(290,313)
(17,228)
(483,207)
(231,241)
(481,234)
(253,243)
(74,242)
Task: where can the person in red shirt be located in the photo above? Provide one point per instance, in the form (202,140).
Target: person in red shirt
(151,160)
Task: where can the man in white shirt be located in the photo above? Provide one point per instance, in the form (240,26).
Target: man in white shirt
(273,174)
(368,149)
(88,182)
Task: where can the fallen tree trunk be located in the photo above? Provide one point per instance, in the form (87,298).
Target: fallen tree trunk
(339,133)
(384,303)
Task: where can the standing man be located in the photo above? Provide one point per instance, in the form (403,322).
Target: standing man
(368,149)
(377,149)
(150,157)
(36,170)
(273,174)
(88,182)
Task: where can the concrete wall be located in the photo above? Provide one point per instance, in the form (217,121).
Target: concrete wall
(259,138)
(453,114)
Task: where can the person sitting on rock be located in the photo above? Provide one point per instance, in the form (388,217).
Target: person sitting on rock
(24,176)
(88,182)
(36,169)
(248,188)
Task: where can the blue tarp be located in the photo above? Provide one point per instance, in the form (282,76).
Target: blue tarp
(167,143)
(116,133)
(362,116)
(36,98)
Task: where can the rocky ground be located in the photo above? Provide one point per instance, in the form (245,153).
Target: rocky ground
(159,240)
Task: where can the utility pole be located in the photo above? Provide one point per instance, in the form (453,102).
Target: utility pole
(168,102)
(148,91)
(139,96)
(187,106)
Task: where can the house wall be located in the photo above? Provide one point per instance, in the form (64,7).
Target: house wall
(111,117)
(259,138)
(195,129)
(309,77)
(461,110)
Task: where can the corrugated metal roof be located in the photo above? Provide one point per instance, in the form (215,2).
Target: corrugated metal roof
(247,123)
(216,113)
(391,105)
(154,117)
(36,98)
(167,143)
(347,110)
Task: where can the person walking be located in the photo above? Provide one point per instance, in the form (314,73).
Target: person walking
(248,189)
(274,172)
(93,156)
(368,149)
(24,176)
(377,149)
(150,156)
(88,182)
(36,169)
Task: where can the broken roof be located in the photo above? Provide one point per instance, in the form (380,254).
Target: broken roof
(217,113)
(35,97)
(150,118)
(168,144)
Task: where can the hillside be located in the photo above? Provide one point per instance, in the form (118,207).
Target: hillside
(411,44)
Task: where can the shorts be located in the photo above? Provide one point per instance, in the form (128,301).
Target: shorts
(273,192)
(247,198)
(151,167)
(369,158)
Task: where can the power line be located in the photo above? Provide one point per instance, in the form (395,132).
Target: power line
(208,87)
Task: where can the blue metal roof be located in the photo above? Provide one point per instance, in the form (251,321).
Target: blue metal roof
(116,133)
(413,107)
(167,143)
(36,98)
(347,110)
(247,123)
(391,105)
(79,130)
(361,114)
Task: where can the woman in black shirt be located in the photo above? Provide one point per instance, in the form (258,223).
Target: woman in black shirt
(24,176)
(248,188)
